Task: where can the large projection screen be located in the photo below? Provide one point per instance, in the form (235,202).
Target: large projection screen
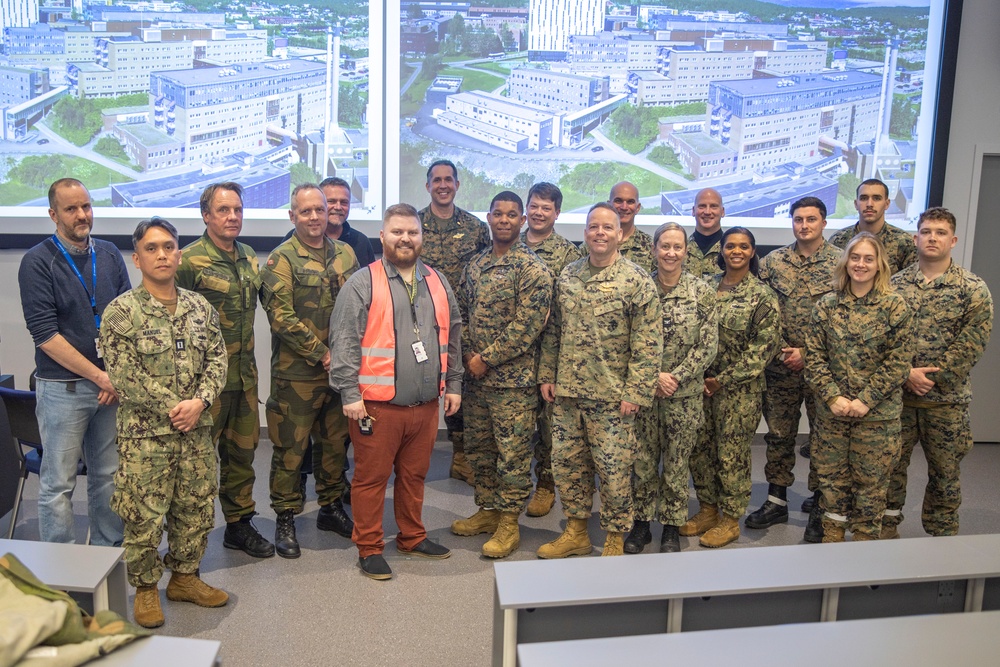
(765,101)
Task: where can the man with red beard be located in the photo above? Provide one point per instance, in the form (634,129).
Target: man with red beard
(395,346)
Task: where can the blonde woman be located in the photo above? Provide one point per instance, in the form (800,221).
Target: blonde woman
(857,359)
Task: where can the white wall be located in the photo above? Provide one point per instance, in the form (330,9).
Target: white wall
(975,112)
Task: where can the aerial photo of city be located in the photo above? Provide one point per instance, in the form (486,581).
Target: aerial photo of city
(765,102)
(147,101)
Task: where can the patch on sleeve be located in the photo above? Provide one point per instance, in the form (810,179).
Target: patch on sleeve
(270,261)
(118,321)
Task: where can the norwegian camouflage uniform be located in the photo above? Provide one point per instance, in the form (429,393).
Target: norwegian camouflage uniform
(298,293)
(798,282)
(858,348)
(952,323)
(556,251)
(668,431)
(749,336)
(638,248)
(703,265)
(449,246)
(231,286)
(504,303)
(900,250)
(155,360)
(602,346)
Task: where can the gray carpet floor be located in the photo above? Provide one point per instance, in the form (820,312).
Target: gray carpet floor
(319,610)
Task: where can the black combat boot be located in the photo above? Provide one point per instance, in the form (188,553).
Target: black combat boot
(670,541)
(285,542)
(638,537)
(814,529)
(333,517)
(774,510)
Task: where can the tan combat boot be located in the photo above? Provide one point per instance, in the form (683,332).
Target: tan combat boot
(833,531)
(541,503)
(889,532)
(506,539)
(863,537)
(146,607)
(705,519)
(460,467)
(724,532)
(190,588)
(483,521)
(614,544)
(574,541)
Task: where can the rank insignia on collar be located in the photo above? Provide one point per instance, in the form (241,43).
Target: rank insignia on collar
(459,235)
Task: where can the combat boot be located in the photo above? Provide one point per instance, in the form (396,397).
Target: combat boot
(814,528)
(146,608)
(574,541)
(613,544)
(285,541)
(190,588)
(670,541)
(724,532)
(483,521)
(542,502)
(863,537)
(506,539)
(890,531)
(833,531)
(638,537)
(460,467)
(774,510)
(706,519)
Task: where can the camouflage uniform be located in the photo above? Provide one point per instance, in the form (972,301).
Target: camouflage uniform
(638,248)
(556,252)
(798,283)
(900,250)
(155,360)
(232,288)
(703,265)
(857,348)
(749,335)
(604,339)
(669,430)
(449,246)
(504,303)
(952,323)
(298,294)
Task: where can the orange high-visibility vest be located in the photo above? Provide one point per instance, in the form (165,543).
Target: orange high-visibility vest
(377,377)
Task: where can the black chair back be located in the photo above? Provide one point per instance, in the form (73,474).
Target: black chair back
(13,472)
(21,416)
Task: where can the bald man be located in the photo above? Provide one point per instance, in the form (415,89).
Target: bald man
(704,245)
(636,245)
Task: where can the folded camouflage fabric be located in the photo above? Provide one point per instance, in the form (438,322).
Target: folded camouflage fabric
(35,615)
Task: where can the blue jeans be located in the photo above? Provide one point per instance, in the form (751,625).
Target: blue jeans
(73,426)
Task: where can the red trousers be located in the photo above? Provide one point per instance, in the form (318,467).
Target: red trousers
(402,440)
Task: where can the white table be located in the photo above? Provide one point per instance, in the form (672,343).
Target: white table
(77,568)
(159,651)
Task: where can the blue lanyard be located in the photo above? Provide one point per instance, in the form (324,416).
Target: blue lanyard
(93,266)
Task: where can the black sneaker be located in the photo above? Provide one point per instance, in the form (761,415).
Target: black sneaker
(243,535)
(285,542)
(638,537)
(427,549)
(375,567)
(333,517)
